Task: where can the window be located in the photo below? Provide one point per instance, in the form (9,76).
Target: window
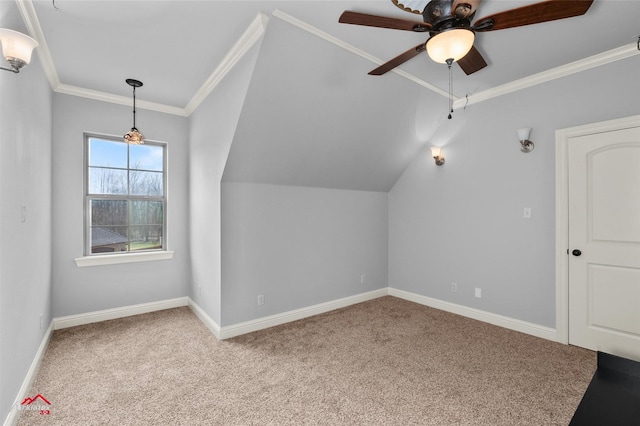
(124,196)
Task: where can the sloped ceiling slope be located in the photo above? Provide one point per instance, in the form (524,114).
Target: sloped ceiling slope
(308,122)
(313,117)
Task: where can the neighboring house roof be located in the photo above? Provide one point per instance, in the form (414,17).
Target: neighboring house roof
(104,237)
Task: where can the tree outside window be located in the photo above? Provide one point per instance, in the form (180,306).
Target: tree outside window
(125,196)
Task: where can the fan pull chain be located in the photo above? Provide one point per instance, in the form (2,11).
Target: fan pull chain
(449,62)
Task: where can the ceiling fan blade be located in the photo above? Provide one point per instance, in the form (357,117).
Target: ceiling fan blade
(472,61)
(464,8)
(356,18)
(399,60)
(549,10)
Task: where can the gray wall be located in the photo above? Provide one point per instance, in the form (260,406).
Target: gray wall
(212,127)
(463,222)
(79,290)
(25,247)
(298,247)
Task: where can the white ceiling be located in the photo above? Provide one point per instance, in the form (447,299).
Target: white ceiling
(332,109)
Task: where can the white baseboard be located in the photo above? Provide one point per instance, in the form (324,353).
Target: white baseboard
(12,418)
(125,311)
(297,314)
(488,317)
(205,318)
(234,330)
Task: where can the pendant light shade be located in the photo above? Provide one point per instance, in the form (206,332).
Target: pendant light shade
(450,44)
(133,136)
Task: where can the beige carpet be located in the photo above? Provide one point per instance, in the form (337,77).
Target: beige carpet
(383,362)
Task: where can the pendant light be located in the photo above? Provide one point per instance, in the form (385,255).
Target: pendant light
(133,136)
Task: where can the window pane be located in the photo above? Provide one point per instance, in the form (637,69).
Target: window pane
(107,153)
(146,183)
(145,237)
(146,212)
(146,157)
(107,181)
(125,196)
(108,239)
(109,212)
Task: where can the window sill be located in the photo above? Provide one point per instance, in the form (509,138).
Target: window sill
(114,259)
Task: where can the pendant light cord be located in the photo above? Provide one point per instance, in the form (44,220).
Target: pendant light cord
(134,107)
(449,62)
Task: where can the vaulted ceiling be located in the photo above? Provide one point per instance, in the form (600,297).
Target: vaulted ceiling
(312,116)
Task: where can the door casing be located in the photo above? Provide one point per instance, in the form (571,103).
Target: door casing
(562,212)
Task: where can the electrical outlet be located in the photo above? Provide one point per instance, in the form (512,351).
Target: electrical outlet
(23,214)
(260,299)
(454,287)
(199,290)
(478,292)
(363,279)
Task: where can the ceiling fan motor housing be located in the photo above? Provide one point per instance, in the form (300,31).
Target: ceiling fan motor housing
(439,15)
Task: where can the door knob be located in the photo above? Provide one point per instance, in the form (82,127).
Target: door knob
(576,252)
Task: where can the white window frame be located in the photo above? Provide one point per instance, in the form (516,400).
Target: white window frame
(94,259)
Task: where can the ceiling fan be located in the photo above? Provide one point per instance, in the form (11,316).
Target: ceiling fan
(451,32)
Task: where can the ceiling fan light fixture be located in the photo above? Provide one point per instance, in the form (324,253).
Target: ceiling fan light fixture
(453,44)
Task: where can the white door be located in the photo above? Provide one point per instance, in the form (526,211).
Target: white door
(604,242)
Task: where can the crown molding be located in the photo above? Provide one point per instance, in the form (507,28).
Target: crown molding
(252,34)
(340,43)
(551,74)
(257,29)
(504,89)
(28,13)
(97,95)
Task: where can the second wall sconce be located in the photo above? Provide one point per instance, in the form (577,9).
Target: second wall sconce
(16,49)
(437,155)
(525,144)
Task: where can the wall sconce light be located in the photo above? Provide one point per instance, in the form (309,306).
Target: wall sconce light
(436,153)
(16,49)
(523,136)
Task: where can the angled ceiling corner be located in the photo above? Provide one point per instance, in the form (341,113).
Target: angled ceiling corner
(309,121)
(252,34)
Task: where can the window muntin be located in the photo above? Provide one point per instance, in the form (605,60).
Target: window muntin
(125,196)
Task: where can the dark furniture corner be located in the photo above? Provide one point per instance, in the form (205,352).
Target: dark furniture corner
(613,396)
